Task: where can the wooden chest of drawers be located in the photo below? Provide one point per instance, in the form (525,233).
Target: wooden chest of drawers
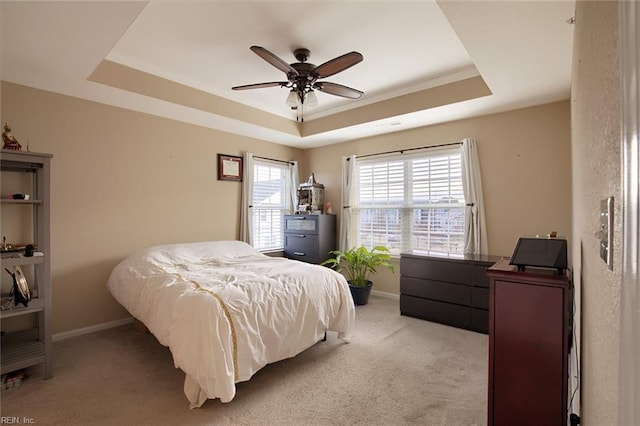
(452,291)
(309,238)
(529,342)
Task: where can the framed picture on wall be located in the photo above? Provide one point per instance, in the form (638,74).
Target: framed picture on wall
(229,167)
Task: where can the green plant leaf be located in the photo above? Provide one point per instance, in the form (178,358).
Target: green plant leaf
(359,264)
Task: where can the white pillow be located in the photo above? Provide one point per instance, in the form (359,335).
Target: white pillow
(199,252)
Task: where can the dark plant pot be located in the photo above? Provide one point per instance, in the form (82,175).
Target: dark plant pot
(361,294)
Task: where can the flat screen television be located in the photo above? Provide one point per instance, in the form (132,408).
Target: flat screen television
(541,253)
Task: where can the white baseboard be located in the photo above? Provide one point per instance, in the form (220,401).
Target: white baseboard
(385,294)
(92,329)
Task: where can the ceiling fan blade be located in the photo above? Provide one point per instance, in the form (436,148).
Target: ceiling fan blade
(261,85)
(338,64)
(338,90)
(274,60)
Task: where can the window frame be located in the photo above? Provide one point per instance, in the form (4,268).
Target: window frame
(408,208)
(274,231)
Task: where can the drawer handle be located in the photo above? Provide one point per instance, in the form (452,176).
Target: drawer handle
(299,218)
(301,236)
(298,253)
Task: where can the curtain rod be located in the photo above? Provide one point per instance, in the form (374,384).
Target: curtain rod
(273,159)
(402,151)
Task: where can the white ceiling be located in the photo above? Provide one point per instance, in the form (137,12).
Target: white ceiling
(521,49)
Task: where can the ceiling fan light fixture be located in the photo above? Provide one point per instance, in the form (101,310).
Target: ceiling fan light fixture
(311,99)
(292,99)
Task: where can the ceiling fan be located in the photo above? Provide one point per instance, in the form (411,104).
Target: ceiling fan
(302,76)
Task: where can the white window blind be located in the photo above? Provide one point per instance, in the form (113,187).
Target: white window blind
(270,203)
(412,202)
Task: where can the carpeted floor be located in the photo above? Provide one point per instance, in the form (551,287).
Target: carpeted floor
(397,370)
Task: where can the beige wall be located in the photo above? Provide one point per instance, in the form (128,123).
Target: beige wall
(122,180)
(596,175)
(525,161)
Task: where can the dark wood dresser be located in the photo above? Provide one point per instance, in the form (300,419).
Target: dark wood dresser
(529,342)
(309,237)
(448,290)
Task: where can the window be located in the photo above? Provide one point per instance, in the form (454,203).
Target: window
(270,202)
(411,202)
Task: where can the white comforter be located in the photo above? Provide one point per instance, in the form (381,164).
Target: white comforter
(225,310)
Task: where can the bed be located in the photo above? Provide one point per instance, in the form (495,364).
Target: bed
(226,310)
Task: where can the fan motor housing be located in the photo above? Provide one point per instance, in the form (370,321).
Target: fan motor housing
(302,54)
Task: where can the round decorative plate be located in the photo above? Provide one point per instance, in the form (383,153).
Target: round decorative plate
(21,281)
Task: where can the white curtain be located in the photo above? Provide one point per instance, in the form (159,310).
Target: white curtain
(475,234)
(292,182)
(246,210)
(349,175)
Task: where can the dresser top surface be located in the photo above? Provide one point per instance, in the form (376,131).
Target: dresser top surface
(504,268)
(421,254)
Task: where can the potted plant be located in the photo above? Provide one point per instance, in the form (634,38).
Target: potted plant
(357,265)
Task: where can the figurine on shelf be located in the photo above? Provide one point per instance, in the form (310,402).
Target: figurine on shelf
(312,179)
(10,142)
(327,208)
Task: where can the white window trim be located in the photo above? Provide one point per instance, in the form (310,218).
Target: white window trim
(290,181)
(407,231)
